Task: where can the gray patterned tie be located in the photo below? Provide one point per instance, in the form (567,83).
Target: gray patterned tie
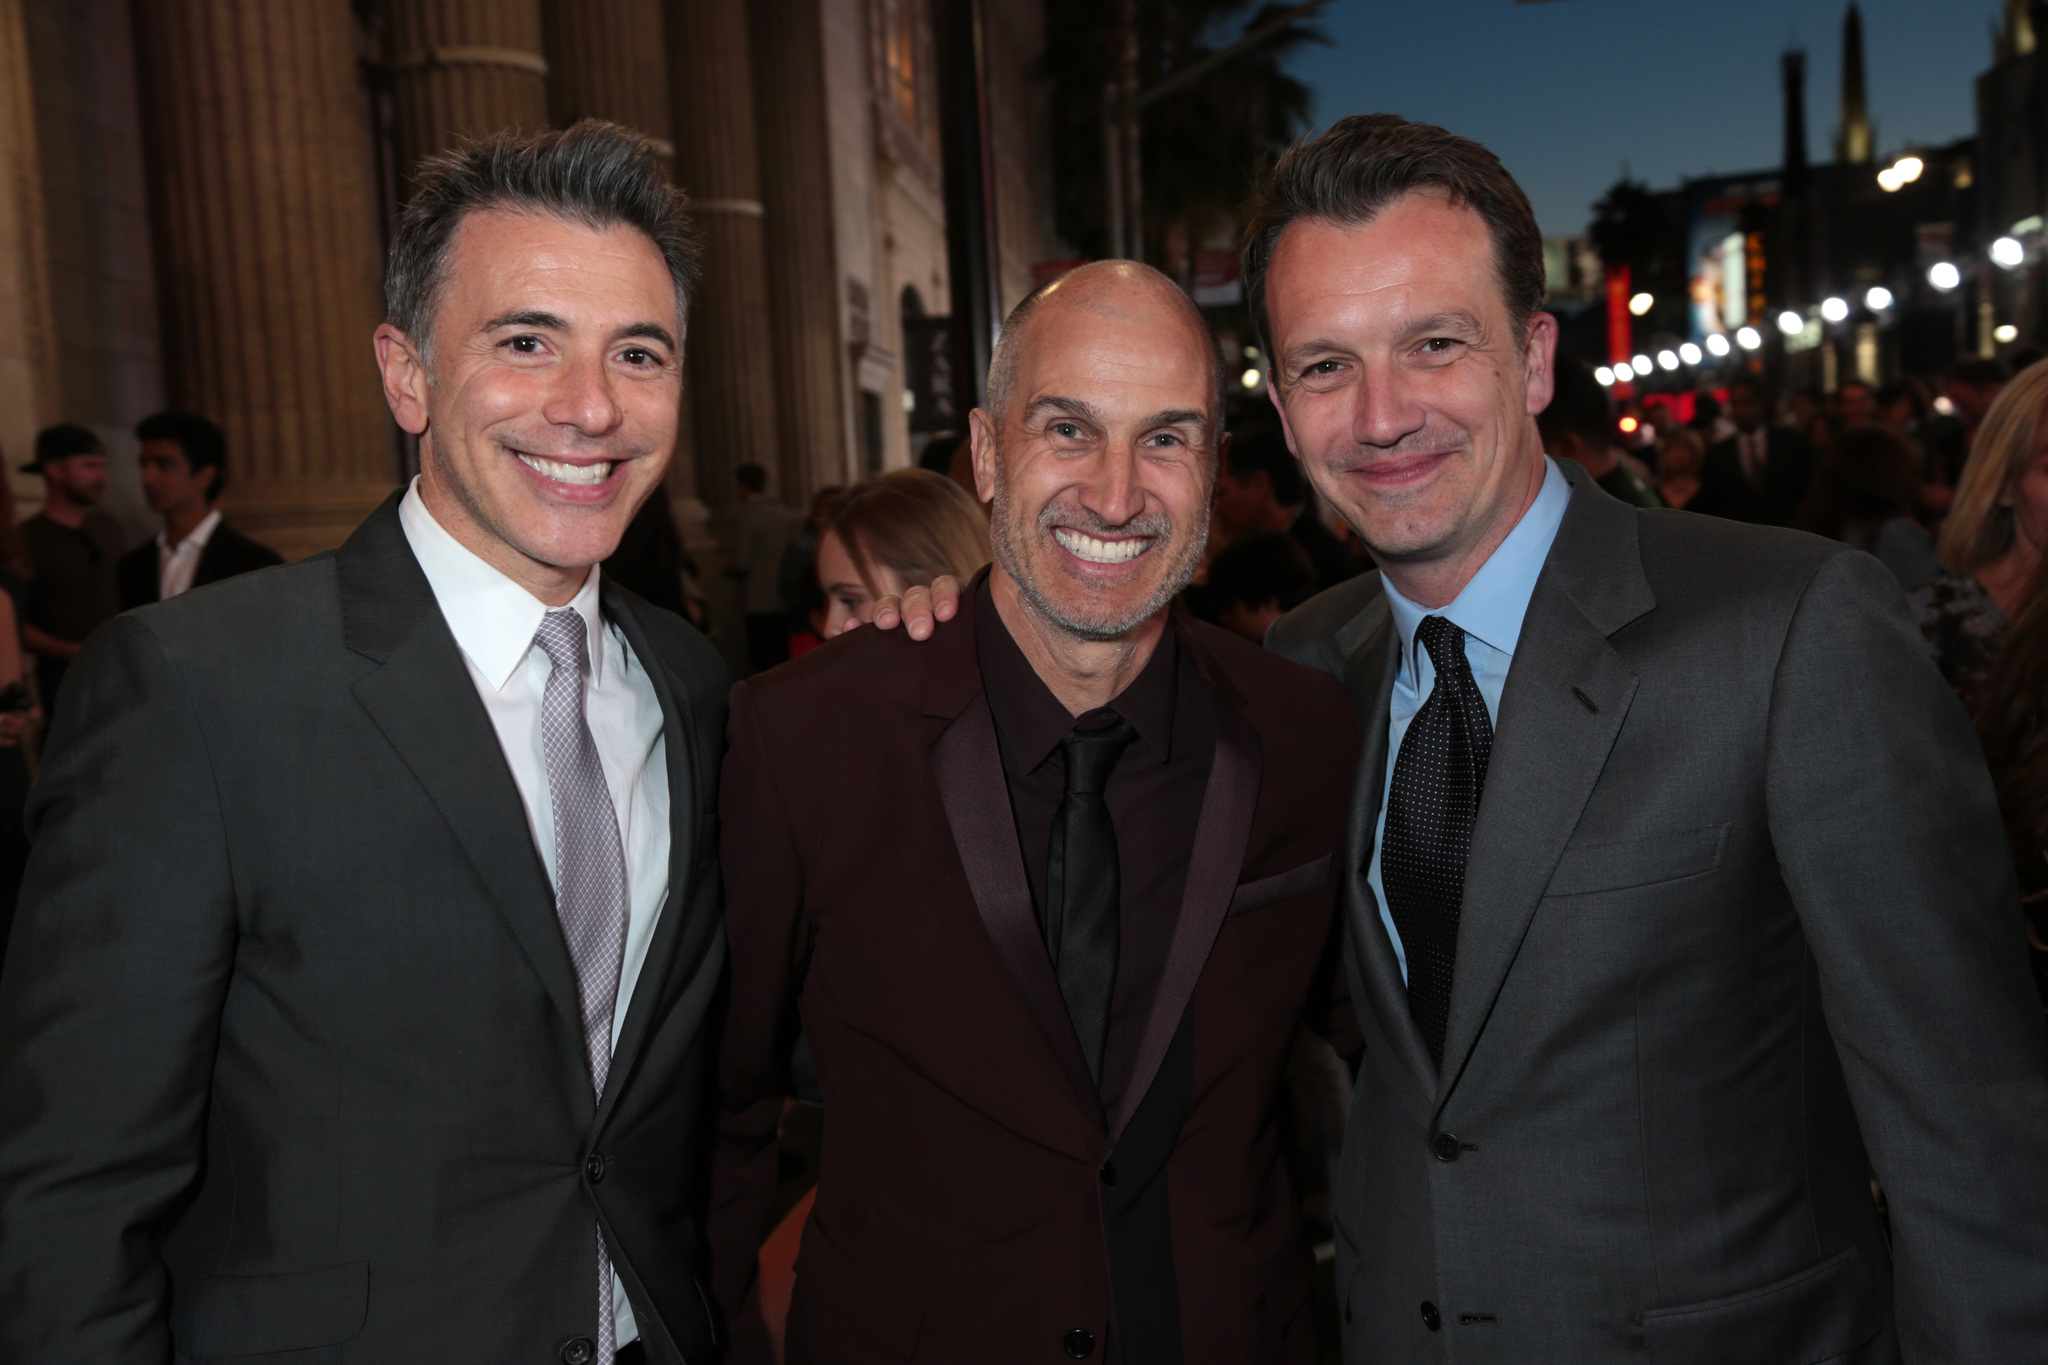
(590,876)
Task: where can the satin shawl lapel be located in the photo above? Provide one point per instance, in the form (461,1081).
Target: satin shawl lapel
(656,985)
(1567,694)
(1214,868)
(422,698)
(1369,668)
(969,768)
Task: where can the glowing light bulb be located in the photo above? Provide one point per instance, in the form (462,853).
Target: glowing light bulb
(1834,310)
(2005,334)
(1250,379)
(1690,353)
(1629,425)
(1790,323)
(1717,345)
(1749,338)
(1605,375)
(1944,276)
(1642,364)
(1878,299)
(1641,304)
(2008,252)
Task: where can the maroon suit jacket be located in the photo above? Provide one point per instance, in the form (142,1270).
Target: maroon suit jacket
(875,888)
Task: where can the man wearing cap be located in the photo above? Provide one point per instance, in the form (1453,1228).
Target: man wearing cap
(72,549)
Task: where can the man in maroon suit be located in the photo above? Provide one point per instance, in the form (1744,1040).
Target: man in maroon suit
(1048,896)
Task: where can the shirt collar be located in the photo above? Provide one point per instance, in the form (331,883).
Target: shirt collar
(492,618)
(196,539)
(1031,721)
(1493,603)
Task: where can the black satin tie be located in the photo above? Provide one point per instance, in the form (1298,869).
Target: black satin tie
(1431,807)
(1082,881)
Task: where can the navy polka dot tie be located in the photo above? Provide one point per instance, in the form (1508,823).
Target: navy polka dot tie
(1438,776)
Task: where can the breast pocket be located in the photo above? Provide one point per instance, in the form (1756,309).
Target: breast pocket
(1298,881)
(1625,863)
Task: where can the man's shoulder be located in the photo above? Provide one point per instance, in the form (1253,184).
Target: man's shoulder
(865,673)
(284,603)
(1280,689)
(1310,634)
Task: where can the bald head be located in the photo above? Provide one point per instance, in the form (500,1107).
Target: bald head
(1121,294)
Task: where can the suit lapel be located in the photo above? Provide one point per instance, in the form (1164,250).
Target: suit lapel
(423,701)
(1214,867)
(652,989)
(1567,693)
(969,768)
(1369,668)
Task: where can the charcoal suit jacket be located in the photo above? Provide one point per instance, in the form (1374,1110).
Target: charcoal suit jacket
(227,552)
(1737,911)
(877,895)
(291,1061)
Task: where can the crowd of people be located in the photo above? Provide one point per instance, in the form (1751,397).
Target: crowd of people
(1171,848)
(68,570)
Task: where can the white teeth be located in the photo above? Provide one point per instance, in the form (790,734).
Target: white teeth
(568,473)
(1100,551)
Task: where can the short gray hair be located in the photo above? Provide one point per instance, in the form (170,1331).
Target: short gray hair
(594,173)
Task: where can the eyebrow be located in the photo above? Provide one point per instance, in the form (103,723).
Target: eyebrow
(1177,417)
(554,322)
(1073,407)
(1456,319)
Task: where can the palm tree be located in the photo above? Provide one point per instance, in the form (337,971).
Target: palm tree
(1202,147)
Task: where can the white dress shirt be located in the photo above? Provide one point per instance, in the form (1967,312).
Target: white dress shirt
(493,620)
(1489,610)
(175,564)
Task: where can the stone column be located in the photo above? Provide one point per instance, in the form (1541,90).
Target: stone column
(730,373)
(28,380)
(464,69)
(267,257)
(803,269)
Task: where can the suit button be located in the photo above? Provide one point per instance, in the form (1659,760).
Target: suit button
(1080,1343)
(1430,1317)
(1108,1173)
(593,1167)
(1444,1147)
(578,1351)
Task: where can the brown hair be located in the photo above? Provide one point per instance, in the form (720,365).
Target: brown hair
(1364,163)
(1980,526)
(914,522)
(1866,475)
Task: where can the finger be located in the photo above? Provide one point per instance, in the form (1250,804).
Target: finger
(945,595)
(888,613)
(917,613)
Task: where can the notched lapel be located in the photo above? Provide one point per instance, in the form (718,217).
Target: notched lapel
(1369,677)
(423,701)
(1567,694)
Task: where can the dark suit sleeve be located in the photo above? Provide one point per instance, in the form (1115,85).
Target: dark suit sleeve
(764,887)
(136,576)
(1888,836)
(110,1009)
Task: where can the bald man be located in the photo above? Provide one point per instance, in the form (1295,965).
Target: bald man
(1050,1025)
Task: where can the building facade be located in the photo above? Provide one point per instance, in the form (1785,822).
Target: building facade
(196,197)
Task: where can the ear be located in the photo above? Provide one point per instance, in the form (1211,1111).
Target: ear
(981,433)
(405,378)
(1539,354)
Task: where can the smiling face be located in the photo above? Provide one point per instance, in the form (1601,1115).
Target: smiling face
(1101,463)
(549,400)
(1403,387)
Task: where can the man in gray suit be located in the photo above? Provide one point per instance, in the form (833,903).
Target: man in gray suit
(354,1010)
(1676,882)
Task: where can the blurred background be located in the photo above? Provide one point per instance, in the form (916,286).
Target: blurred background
(195,196)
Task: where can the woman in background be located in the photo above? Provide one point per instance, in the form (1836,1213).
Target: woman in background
(1991,543)
(898,531)
(1863,495)
(1680,453)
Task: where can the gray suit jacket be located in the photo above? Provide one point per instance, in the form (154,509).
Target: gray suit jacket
(1738,908)
(291,1065)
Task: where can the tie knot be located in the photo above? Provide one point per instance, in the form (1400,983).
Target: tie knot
(563,638)
(1091,754)
(1444,641)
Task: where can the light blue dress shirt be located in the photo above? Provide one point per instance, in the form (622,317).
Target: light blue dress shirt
(1490,612)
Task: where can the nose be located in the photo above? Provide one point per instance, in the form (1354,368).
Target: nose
(1112,490)
(1383,411)
(582,398)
